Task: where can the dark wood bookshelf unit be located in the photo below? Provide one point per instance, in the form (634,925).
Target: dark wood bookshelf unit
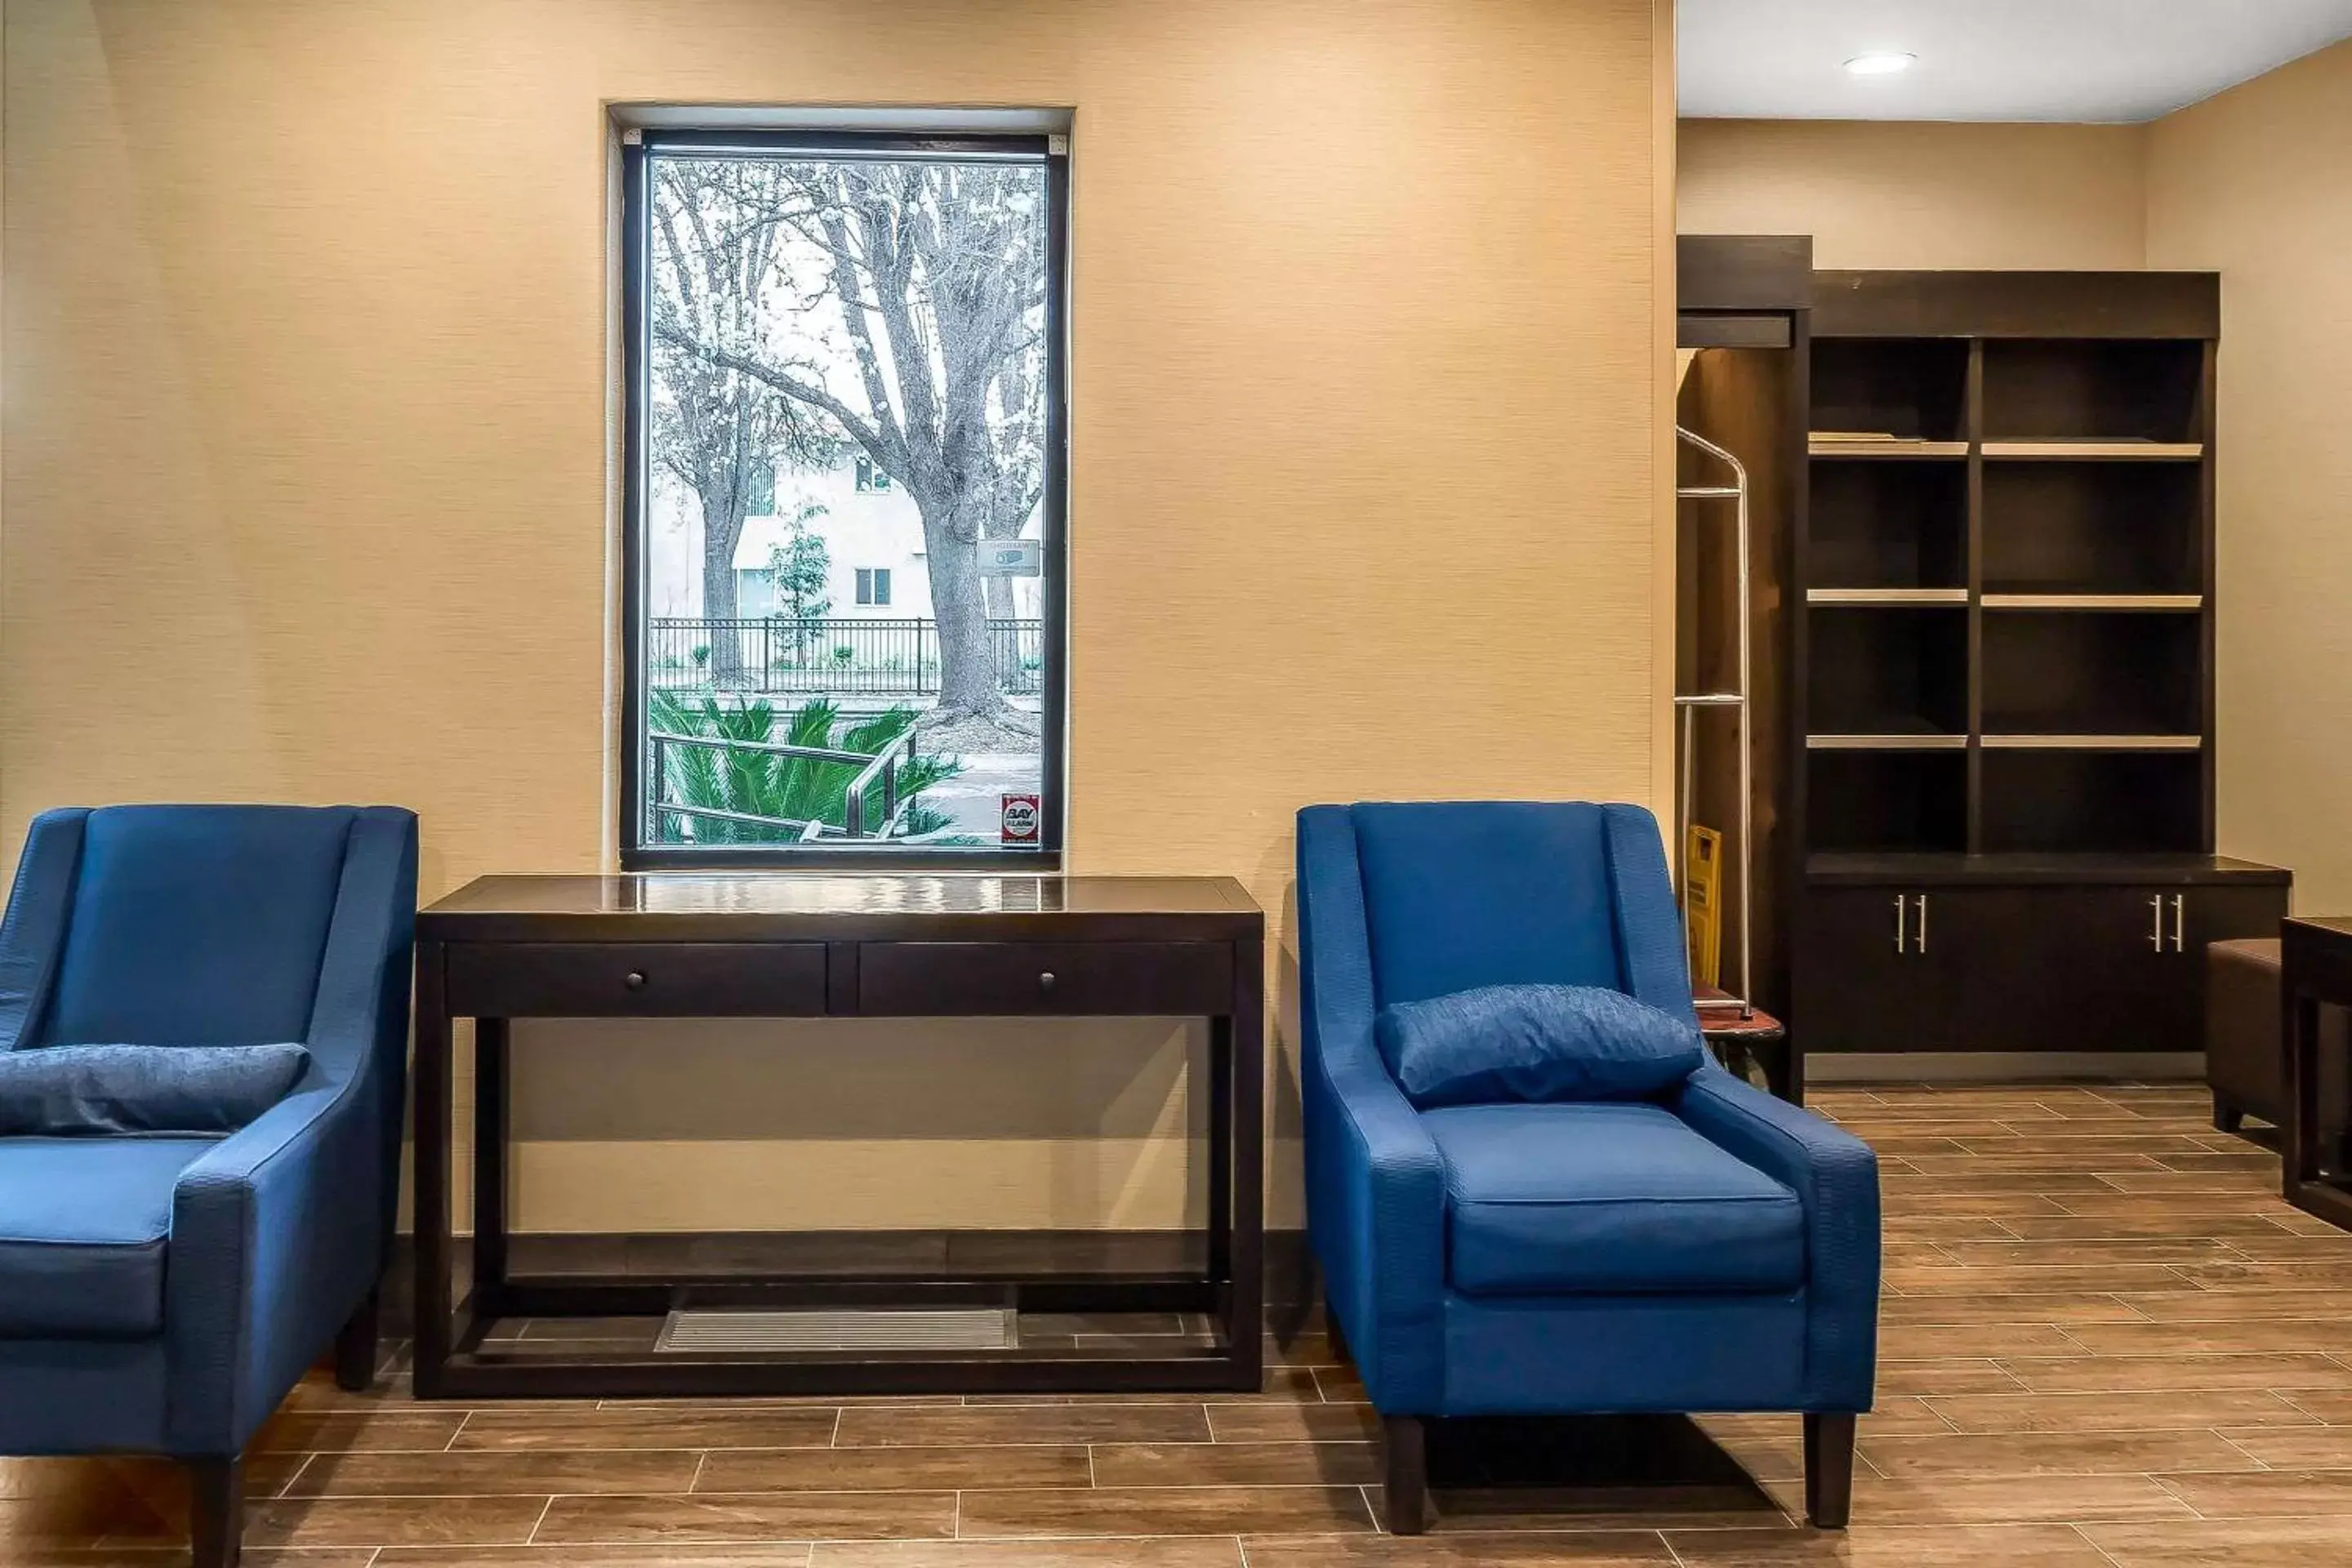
(2001,668)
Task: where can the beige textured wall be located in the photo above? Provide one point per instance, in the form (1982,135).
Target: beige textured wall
(2257,183)
(307,438)
(1883,193)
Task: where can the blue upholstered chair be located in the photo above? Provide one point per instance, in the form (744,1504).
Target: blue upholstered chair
(161,1295)
(1714,1250)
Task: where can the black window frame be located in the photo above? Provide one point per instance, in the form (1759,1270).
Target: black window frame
(1049,152)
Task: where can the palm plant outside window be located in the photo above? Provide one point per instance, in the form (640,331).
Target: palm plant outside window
(845,389)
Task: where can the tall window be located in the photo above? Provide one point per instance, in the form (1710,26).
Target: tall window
(813,318)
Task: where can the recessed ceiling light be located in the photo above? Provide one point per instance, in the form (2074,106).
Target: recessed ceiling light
(1880,62)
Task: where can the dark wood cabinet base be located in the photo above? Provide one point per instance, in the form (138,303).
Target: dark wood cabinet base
(2049,955)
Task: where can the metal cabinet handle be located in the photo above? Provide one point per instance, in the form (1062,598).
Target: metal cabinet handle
(633,980)
(1045,981)
(2155,916)
(1919,937)
(2178,900)
(1901,906)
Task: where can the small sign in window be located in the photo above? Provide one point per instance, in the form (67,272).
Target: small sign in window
(1012,558)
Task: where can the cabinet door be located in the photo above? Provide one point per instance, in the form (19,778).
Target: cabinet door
(1990,947)
(2075,969)
(2142,960)
(2098,968)
(1853,988)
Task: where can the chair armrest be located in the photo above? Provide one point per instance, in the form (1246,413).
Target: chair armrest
(1376,1203)
(1836,1174)
(1375,1181)
(274,1241)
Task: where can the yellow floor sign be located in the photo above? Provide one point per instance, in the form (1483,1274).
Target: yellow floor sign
(1703,903)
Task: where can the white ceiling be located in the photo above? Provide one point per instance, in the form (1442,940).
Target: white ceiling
(1987,59)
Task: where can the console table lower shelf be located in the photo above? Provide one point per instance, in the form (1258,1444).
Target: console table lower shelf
(783,945)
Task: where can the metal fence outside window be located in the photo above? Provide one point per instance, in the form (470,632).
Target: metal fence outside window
(833,657)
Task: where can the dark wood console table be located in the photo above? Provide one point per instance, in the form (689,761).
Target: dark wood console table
(786,945)
(2314,971)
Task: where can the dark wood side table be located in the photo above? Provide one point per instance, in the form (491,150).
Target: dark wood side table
(1738,1036)
(2316,970)
(783,945)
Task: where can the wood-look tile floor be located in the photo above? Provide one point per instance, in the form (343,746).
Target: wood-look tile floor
(2107,1344)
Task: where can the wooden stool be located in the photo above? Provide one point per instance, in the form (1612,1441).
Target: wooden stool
(2245,1062)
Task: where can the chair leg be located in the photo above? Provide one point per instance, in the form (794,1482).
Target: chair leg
(2227,1118)
(1406,1480)
(1828,1468)
(355,1348)
(215,1511)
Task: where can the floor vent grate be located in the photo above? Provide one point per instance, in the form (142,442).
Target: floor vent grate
(715,1331)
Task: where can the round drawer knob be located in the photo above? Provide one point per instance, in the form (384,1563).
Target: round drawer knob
(1045,981)
(633,980)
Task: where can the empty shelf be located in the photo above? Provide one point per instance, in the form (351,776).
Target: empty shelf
(2102,450)
(1920,740)
(1886,595)
(1835,443)
(2092,742)
(2094,601)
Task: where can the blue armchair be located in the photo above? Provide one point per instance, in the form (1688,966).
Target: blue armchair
(161,1295)
(1716,1250)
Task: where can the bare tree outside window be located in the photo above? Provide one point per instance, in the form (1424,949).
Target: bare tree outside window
(726,431)
(848,352)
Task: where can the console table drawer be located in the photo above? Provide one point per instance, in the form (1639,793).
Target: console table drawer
(608,979)
(1134,978)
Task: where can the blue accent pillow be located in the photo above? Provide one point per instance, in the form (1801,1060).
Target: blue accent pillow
(53,1090)
(1502,1043)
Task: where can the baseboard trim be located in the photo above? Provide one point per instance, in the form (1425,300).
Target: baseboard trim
(881,1253)
(2004,1067)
